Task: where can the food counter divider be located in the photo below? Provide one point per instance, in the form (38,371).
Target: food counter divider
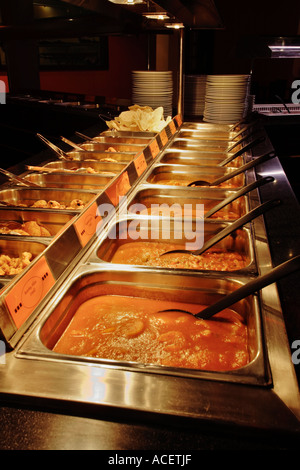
(262,394)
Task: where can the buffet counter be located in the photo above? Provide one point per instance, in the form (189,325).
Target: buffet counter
(115,397)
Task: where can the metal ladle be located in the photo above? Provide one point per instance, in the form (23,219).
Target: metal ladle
(284,269)
(242,150)
(230,228)
(237,194)
(247,166)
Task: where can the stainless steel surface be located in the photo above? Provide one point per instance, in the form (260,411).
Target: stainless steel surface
(263,395)
(80,167)
(190,157)
(176,201)
(176,175)
(102,147)
(154,231)
(101,156)
(132,140)
(76,181)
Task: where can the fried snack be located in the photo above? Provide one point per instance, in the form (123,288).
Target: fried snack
(28,229)
(140,119)
(10,266)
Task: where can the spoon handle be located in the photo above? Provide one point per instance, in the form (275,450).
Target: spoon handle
(238,194)
(244,149)
(237,224)
(247,166)
(251,287)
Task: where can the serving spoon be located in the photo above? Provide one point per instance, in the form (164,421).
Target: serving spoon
(230,228)
(282,270)
(242,150)
(237,194)
(247,166)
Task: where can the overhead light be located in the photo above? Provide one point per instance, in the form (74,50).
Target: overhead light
(127,2)
(156,15)
(174,25)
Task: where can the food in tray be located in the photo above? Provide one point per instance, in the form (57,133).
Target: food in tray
(148,254)
(132,329)
(30,228)
(182,182)
(10,266)
(52,204)
(177,211)
(140,119)
(89,170)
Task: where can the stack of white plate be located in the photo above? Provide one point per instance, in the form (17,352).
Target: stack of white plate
(194,94)
(226,98)
(154,89)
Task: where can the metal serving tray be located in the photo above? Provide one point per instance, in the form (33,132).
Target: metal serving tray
(122,140)
(183,175)
(208,145)
(185,133)
(52,220)
(14,247)
(190,157)
(93,282)
(101,156)
(190,234)
(114,133)
(76,181)
(80,167)
(101,147)
(17,195)
(149,201)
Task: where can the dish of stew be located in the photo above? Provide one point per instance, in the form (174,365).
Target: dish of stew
(148,254)
(133,329)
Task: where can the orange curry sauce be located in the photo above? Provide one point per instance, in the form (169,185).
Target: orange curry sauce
(125,328)
(148,254)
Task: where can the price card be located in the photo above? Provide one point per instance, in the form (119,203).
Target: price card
(29,291)
(140,164)
(178,119)
(87,223)
(154,148)
(163,137)
(172,127)
(119,188)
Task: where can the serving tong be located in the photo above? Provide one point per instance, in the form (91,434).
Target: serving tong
(59,152)
(247,166)
(253,286)
(18,179)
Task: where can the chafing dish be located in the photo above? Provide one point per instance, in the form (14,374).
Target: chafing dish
(152,200)
(101,156)
(102,147)
(176,175)
(26,196)
(114,133)
(201,145)
(73,181)
(93,282)
(79,167)
(185,233)
(134,140)
(14,248)
(52,220)
(190,157)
